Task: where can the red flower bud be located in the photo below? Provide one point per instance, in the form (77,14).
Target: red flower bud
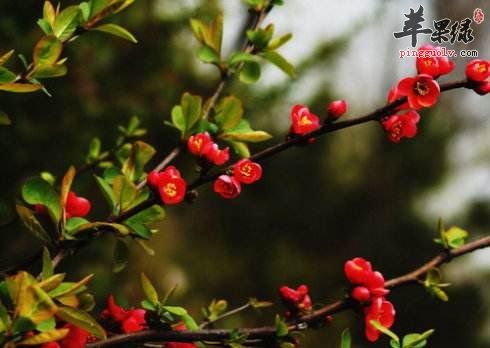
(51,345)
(478,70)
(76,338)
(227,187)
(361,294)
(153,179)
(303,121)
(336,109)
(421,91)
(432,65)
(76,206)
(401,126)
(196,143)
(246,171)
(357,270)
(483,88)
(214,155)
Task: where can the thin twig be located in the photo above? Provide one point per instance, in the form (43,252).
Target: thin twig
(220,335)
(225,315)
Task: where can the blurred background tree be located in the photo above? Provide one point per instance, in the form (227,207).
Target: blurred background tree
(350,194)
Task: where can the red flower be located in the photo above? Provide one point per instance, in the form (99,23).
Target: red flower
(393,95)
(421,91)
(76,206)
(478,70)
(431,65)
(361,294)
(381,311)
(181,327)
(213,154)
(336,108)
(169,183)
(483,88)
(401,126)
(247,171)
(196,143)
(76,338)
(357,270)
(296,300)
(132,320)
(303,121)
(227,187)
(51,345)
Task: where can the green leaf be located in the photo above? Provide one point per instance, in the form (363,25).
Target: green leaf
(94,150)
(66,183)
(33,225)
(85,10)
(81,319)
(52,282)
(239,57)
(259,304)
(216,33)
(199,29)
(189,322)
(49,13)
(279,61)
(455,237)
(278,42)
(145,247)
(6,76)
(46,72)
(66,23)
(243,132)
(20,87)
(148,305)
(250,72)
(141,154)
(22,325)
(70,288)
(125,192)
(121,255)
(123,230)
(416,340)
(345,339)
(178,119)
(39,191)
(47,50)
(45,26)
(48,268)
(229,112)
(384,330)
(4,119)
(240,148)
(45,337)
(147,216)
(5,57)
(179,311)
(260,38)
(281,327)
(191,109)
(116,30)
(74,224)
(208,55)
(149,290)
(107,192)
(46,325)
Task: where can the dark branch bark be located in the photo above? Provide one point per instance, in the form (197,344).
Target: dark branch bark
(267,332)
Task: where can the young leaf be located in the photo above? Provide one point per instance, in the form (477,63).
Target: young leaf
(208,55)
(250,72)
(416,340)
(191,109)
(38,191)
(121,254)
(45,337)
(141,154)
(125,192)
(66,185)
(178,119)
(278,42)
(47,51)
(107,192)
(455,237)
(281,327)
(4,119)
(149,290)
(81,319)
(239,57)
(279,61)
(20,87)
(243,132)
(116,30)
(32,224)
(147,216)
(66,23)
(70,288)
(48,268)
(240,148)
(384,330)
(49,13)
(179,311)
(6,76)
(229,112)
(345,339)
(5,57)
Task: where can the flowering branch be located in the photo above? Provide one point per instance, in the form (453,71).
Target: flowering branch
(301,323)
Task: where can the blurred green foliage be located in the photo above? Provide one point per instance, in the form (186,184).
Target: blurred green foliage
(349,194)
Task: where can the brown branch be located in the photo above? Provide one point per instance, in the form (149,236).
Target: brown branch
(268,332)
